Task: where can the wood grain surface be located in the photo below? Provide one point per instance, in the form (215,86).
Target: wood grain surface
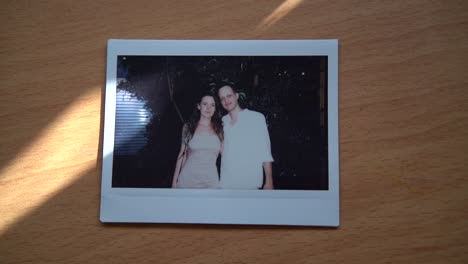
(403,131)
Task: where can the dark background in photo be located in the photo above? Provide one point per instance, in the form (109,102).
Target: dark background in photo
(156,94)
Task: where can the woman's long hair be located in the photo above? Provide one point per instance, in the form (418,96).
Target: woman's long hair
(191,125)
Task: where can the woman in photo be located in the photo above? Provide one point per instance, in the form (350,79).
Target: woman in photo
(202,138)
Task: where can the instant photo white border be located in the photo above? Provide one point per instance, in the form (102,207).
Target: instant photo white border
(259,207)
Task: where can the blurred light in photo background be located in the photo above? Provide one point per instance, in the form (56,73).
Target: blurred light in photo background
(131,119)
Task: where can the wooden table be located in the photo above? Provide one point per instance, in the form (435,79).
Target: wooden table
(403,131)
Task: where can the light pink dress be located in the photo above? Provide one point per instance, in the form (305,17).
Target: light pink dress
(199,170)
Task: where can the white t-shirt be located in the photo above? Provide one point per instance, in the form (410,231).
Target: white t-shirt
(246,147)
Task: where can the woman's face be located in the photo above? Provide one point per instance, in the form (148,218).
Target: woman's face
(207,106)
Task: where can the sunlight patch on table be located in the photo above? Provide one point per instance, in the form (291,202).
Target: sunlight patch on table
(62,152)
(281,11)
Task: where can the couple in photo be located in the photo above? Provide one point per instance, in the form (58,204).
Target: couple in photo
(241,137)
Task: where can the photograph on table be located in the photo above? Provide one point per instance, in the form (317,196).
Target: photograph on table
(217,120)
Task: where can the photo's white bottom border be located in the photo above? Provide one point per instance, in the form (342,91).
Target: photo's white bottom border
(315,210)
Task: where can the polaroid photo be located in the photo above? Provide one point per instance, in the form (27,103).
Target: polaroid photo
(221,132)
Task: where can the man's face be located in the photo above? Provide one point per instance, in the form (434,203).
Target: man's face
(228,98)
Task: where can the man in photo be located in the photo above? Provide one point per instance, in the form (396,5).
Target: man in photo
(246,151)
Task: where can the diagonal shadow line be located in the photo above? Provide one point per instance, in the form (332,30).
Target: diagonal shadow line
(69,221)
(22,132)
(67,226)
(37,228)
(39,112)
(40,115)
